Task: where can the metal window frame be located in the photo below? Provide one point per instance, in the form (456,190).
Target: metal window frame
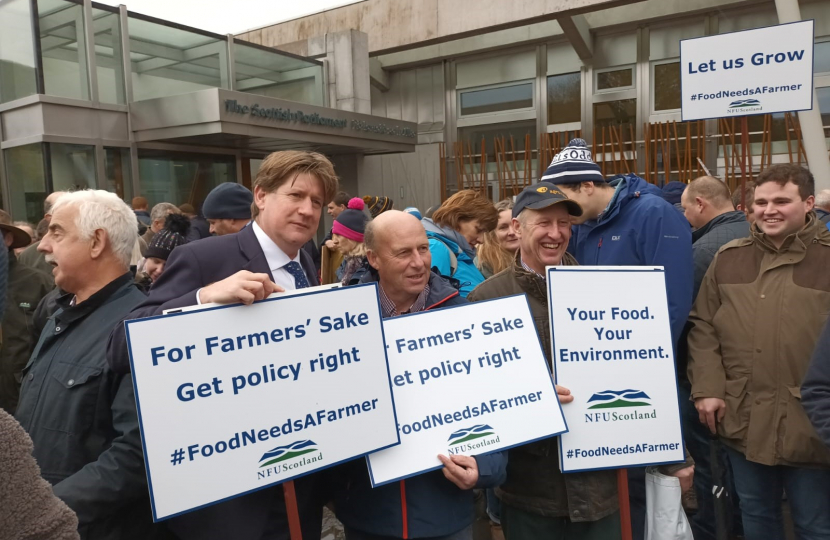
(533,98)
(652,94)
(632,86)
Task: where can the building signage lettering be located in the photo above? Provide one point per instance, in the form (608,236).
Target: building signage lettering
(287,115)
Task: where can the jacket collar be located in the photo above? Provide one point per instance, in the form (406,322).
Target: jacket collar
(531,282)
(69,313)
(439,290)
(735,216)
(813,231)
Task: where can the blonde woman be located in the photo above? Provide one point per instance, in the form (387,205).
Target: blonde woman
(499,246)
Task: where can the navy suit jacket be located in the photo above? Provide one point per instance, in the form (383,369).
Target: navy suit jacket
(260,515)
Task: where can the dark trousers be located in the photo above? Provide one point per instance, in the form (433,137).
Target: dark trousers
(521,525)
(697,439)
(760,488)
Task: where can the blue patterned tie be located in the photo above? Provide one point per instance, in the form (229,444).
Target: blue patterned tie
(294,268)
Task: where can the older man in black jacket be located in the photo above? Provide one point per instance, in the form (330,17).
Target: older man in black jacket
(80,414)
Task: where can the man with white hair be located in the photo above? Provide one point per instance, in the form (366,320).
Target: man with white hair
(80,414)
(31,256)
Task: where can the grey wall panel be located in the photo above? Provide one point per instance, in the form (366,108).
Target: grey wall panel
(415,95)
(417,174)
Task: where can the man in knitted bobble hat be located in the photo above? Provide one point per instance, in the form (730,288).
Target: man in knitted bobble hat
(626,222)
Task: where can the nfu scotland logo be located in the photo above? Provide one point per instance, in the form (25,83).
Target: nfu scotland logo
(619,399)
(611,399)
(279,459)
(740,106)
(472,438)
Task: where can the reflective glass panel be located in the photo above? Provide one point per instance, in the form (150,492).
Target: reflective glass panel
(108,56)
(667,86)
(564,98)
(821,57)
(824,106)
(182,178)
(620,78)
(17,51)
(269,73)
(614,113)
(27,181)
(505,98)
(167,61)
(117,170)
(63,48)
(72,166)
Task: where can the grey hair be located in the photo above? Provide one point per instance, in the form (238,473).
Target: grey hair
(823,199)
(99,209)
(160,211)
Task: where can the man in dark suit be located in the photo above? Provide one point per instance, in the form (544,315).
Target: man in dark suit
(290,192)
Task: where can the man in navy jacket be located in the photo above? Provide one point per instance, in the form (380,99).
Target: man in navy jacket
(290,192)
(626,222)
(439,504)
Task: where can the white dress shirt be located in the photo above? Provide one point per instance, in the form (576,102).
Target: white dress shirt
(276,259)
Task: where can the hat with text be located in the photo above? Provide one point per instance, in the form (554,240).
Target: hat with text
(542,195)
(574,164)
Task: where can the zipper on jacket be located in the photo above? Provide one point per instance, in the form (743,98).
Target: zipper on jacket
(405,527)
(599,246)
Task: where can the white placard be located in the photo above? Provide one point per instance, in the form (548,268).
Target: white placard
(468,380)
(612,348)
(236,398)
(759,71)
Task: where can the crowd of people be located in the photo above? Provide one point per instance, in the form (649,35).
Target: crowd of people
(748,294)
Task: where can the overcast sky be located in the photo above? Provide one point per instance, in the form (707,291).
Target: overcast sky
(228,17)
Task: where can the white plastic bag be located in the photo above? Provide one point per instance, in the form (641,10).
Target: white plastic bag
(665,517)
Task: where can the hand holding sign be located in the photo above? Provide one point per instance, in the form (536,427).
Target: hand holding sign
(460,470)
(244,286)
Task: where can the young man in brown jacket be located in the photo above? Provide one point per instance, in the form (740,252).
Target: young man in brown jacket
(756,320)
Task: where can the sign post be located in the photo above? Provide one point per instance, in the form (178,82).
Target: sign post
(234,399)
(468,380)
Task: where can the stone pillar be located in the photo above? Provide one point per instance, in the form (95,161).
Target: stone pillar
(811,129)
(347,57)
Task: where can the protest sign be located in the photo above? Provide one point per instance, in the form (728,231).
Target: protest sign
(760,71)
(468,380)
(233,399)
(612,348)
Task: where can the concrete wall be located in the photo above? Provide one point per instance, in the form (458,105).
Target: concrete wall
(415,95)
(393,24)
(409,179)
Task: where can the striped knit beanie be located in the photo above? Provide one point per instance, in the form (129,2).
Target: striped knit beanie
(573,165)
(171,236)
(377,205)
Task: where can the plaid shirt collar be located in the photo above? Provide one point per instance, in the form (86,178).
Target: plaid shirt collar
(389,308)
(529,269)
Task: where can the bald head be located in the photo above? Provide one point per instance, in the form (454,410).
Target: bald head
(391,224)
(823,199)
(398,249)
(705,199)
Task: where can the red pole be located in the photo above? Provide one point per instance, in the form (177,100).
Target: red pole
(625,509)
(292,510)
(744,151)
